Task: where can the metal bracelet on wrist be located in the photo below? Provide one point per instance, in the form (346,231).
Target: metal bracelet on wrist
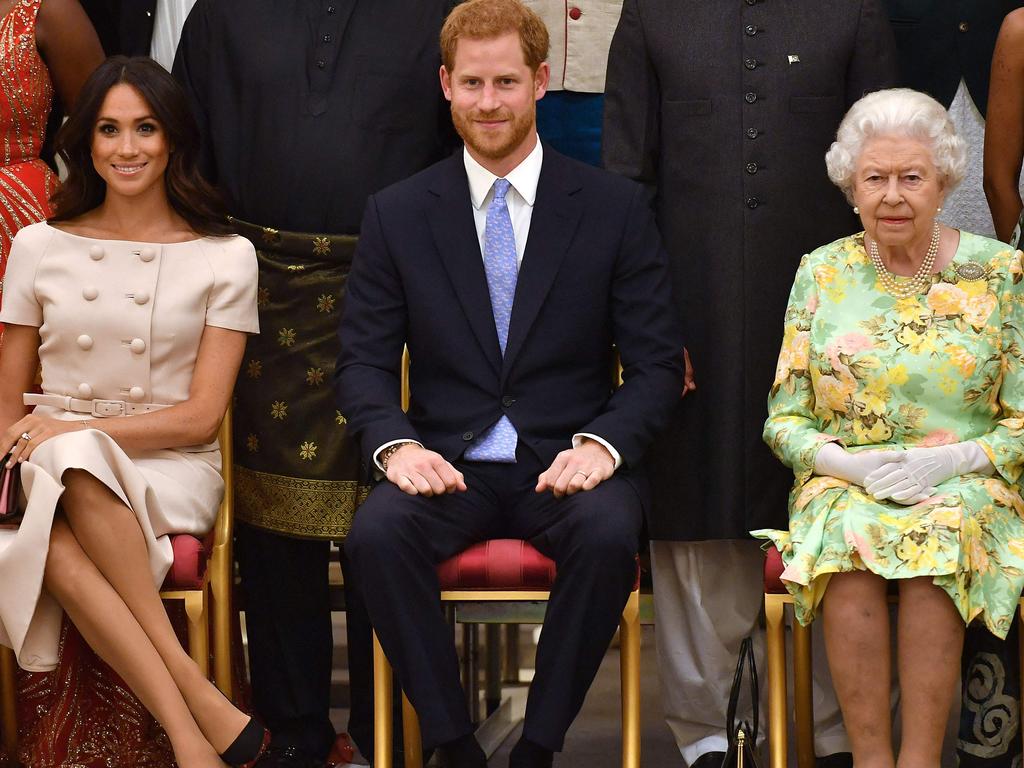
(391,450)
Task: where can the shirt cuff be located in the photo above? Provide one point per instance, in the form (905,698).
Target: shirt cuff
(379,451)
(578,438)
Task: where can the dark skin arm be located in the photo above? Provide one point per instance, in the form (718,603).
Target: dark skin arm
(69,46)
(1004,129)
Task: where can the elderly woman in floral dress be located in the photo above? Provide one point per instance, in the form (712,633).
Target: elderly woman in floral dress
(898,402)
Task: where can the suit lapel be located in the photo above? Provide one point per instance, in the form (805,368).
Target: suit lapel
(455,235)
(556,214)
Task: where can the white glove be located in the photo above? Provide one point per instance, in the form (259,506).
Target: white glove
(835,461)
(913,477)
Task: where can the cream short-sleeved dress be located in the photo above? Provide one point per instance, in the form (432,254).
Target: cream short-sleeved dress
(118,320)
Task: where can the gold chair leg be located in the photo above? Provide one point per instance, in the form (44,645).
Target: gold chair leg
(198,629)
(629,669)
(8,714)
(220,608)
(411,735)
(775,636)
(802,695)
(382,725)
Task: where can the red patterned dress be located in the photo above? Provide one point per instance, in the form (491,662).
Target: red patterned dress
(25,96)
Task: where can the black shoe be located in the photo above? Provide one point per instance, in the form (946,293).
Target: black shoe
(526,754)
(463,752)
(247,746)
(709,760)
(835,760)
(288,757)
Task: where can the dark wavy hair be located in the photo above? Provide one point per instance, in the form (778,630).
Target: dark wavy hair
(190,195)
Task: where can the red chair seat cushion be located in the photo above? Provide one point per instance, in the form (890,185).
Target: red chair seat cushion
(773,568)
(507,564)
(190,558)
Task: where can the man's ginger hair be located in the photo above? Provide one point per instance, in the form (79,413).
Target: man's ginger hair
(487,19)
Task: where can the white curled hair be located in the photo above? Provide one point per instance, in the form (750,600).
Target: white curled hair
(896,112)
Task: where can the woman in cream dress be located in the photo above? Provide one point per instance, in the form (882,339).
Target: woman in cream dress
(136,305)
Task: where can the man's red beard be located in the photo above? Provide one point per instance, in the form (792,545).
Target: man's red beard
(500,145)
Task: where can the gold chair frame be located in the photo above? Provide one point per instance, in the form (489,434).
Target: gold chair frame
(213,597)
(629,661)
(803,708)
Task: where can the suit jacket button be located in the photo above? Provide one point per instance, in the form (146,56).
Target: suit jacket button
(752,202)
(750,97)
(467,436)
(750,29)
(752,133)
(575,13)
(507,401)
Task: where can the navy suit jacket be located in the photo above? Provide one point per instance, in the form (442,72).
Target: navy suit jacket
(593,275)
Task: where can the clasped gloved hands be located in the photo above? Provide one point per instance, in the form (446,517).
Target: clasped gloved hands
(835,461)
(916,474)
(906,477)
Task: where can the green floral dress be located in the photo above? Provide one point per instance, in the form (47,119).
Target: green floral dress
(862,368)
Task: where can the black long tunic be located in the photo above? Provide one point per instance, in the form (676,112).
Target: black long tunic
(726,110)
(309,106)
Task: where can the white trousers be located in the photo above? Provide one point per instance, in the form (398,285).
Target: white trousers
(707,597)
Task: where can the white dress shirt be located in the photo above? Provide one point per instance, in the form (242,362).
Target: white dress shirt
(521,196)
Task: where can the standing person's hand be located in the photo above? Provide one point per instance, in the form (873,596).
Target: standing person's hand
(688,383)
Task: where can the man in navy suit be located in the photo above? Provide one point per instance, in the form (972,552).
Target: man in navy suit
(510,272)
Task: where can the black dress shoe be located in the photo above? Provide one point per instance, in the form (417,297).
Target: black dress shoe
(288,757)
(835,760)
(709,760)
(526,754)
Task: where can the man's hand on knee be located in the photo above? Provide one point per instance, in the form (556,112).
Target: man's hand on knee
(417,471)
(578,469)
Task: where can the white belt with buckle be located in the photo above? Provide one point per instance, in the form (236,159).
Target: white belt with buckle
(99,408)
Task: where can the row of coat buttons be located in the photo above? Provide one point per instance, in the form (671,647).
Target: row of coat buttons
(135,394)
(96,253)
(91,293)
(506,402)
(138,346)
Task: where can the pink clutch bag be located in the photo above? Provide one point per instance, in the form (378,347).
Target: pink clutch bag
(10,486)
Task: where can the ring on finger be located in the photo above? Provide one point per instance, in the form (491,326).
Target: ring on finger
(581,472)
(26,436)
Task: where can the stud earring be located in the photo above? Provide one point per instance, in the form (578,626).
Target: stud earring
(856,209)
(938,210)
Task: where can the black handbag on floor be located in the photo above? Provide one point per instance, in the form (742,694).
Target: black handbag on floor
(742,752)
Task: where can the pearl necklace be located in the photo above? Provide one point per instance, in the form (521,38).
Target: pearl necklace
(920,279)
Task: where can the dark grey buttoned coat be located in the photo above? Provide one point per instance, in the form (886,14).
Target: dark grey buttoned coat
(725,109)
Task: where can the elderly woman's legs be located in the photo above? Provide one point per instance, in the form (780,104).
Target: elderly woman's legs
(856,617)
(930,639)
(113,633)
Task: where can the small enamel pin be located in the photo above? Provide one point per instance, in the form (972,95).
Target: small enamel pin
(793,58)
(971,271)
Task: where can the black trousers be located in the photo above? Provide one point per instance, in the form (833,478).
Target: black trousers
(285,587)
(397,541)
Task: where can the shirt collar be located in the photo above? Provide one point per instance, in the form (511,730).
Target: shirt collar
(523,178)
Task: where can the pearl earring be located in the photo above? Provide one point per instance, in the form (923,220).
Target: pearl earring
(938,210)
(856,209)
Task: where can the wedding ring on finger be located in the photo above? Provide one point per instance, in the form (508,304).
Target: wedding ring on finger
(26,436)
(581,472)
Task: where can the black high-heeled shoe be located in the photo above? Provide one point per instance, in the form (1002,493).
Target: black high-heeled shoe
(248,746)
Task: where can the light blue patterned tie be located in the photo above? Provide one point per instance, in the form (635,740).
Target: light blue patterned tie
(499,442)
